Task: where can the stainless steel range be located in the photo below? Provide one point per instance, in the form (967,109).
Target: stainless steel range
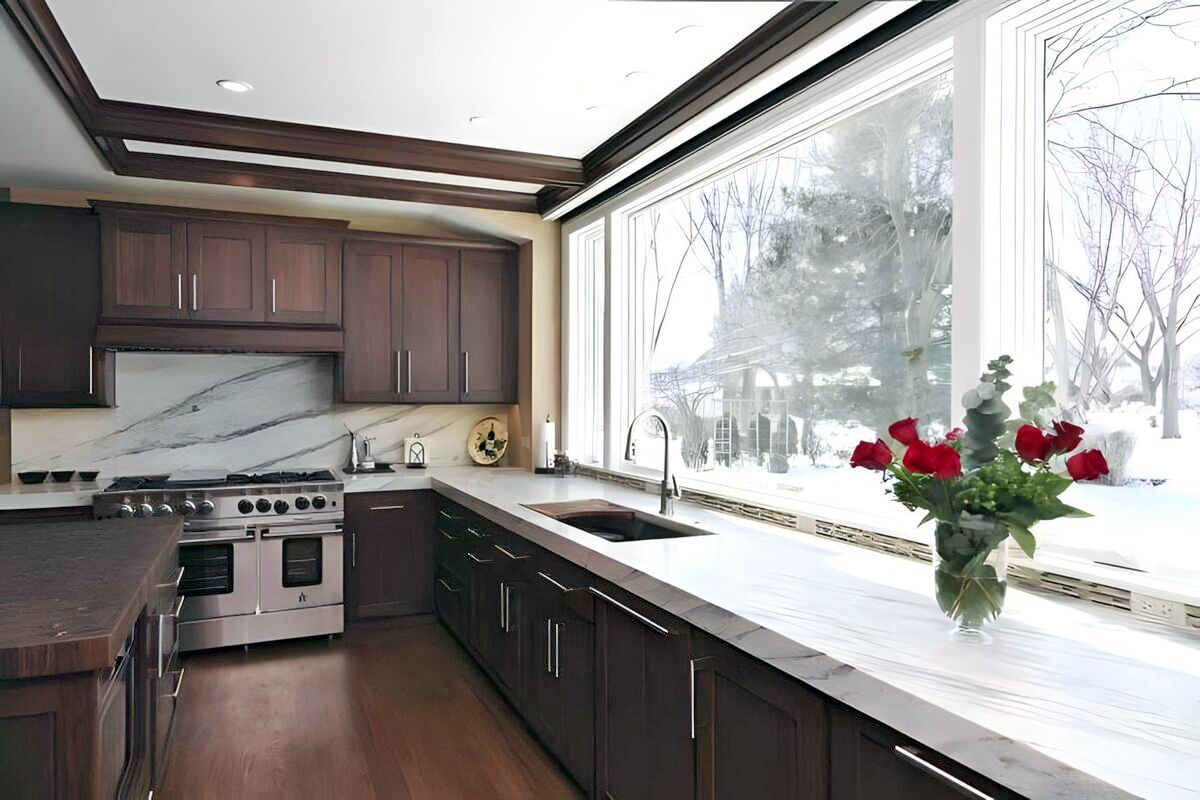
(261,553)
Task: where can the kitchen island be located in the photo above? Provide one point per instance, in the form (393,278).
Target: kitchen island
(86,656)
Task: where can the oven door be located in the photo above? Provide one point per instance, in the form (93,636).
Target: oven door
(220,577)
(300,565)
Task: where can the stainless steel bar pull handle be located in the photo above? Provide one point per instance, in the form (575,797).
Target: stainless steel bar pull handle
(447,586)
(478,560)
(353,549)
(194,292)
(549,652)
(272,295)
(179,290)
(408,370)
(692,693)
(557,628)
(178,682)
(963,788)
(398,389)
(386,508)
(508,554)
(503,621)
(91,372)
(466,372)
(649,623)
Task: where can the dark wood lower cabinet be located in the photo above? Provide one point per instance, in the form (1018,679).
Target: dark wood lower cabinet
(389,542)
(637,705)
(869,761)
(759,733)
(643,701)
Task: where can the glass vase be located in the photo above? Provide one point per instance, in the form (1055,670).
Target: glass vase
(970,572)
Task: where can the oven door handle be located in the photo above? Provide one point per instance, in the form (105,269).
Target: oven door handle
(296,534)
(246,537)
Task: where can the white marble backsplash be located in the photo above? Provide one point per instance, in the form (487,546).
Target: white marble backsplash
(244,412)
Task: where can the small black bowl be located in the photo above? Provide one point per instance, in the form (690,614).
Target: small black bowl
(88,475)
(33,477)
(62,475)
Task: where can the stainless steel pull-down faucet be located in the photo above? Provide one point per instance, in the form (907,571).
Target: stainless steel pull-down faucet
(669,490)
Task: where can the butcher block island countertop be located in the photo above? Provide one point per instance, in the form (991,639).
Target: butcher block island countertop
(72,591)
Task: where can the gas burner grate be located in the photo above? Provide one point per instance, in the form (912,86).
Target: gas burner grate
(137,483)
(313,476)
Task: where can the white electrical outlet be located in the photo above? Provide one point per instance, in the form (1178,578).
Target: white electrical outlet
(1154,608)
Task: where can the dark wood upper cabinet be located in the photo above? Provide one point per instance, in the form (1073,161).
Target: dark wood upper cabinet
(488,309)
(368,370)
(388,538)
(227,271)
(429,325)
(759,733)
(304,275)
(49,306)
(869,760)
(144,266)
(643,701)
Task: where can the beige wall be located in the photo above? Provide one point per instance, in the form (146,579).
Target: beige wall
(539,340)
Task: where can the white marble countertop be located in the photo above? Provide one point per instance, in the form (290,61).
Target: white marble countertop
(1063,682)
(18,496)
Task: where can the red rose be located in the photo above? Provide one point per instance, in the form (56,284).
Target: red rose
(904,431)
(1087,466)
(1066,436)
(1032,444)
(938,460)
(872,455)
(955,435)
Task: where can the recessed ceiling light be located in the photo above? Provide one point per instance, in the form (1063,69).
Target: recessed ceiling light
(636,74)
(599,107)
(481,118)
(686,29)
(234,86)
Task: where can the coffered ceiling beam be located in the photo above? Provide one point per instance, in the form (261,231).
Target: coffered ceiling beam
(123,120)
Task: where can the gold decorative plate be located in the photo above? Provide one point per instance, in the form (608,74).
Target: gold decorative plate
(488,440)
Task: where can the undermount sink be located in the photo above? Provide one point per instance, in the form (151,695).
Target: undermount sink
(615,523)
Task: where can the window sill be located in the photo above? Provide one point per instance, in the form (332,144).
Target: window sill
(1051,570)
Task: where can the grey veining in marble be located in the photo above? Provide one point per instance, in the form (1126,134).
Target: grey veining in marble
(244,412)
(1069,701)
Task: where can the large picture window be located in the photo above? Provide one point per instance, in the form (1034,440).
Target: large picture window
(771,305)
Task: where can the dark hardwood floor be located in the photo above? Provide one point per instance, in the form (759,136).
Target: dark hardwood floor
(394,710)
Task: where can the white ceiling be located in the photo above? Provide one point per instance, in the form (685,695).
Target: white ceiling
(417,68)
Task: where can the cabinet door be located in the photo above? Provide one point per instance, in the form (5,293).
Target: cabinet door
(759,733)
(868,760)
(488,308)
(144,261)
(643,701)
(304,274)
(49,306)
(369,368)
(560,673)
(429,325)
(390,541)
(227,271)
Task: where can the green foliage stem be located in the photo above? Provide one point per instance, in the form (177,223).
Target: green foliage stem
(986,414)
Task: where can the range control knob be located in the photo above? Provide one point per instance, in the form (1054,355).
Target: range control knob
(245,506)
(263,505)
(189,508)
(205,507)
(144,510)
(125,511)
(301,503)
(281,506)
(318,502)
(163,510)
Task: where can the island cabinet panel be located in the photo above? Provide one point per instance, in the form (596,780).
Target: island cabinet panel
(869,760)
(389,541)
(759,733)
(429,325)
(227,271)
(144,264)
(488,309)
(644,745)
(304,276)
(49,307)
